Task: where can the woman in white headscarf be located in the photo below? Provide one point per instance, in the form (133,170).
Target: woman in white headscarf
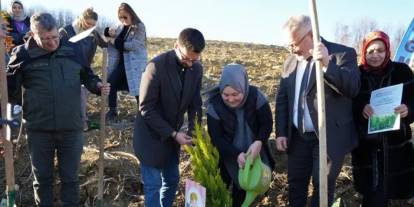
(19,23)
(239,122)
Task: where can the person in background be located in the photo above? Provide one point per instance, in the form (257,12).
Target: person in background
(19,24)
(19,30)
(127,56)
(383,163)
(239,122)
(88,45)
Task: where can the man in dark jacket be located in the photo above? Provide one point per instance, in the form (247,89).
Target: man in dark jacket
(296,110)
(170,86)
(51,72)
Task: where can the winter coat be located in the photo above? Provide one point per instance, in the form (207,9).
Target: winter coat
(135,56)
(52,81)
(385,159)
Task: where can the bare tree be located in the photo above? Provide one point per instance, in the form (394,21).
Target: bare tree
(398,35)
(342,34)
(360,29)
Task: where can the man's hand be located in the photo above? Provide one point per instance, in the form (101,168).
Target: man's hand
(1,142)
(182,138)
(320,53)
(281,144)
(402,110)
(367,111)
(104,88)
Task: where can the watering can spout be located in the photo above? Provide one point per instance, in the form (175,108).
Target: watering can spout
(250,196)
(254,178)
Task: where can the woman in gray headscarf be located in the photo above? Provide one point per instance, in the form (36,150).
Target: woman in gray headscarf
(239,122)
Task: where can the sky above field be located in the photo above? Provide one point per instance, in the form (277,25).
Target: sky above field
(257,21)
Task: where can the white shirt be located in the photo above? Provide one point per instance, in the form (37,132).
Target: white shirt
(307,121)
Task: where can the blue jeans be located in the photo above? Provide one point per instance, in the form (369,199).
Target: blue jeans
(68,148)
(160,185)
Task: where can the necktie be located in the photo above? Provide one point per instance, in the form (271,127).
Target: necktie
(302,98)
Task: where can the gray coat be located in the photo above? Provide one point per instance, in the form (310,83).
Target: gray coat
(135,56)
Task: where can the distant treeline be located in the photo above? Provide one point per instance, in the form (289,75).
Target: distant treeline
(352,34)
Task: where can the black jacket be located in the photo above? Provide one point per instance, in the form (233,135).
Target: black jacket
(389,155)
(88,45)
(52,80)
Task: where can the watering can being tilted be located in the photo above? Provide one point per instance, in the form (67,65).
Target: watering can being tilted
(254,178)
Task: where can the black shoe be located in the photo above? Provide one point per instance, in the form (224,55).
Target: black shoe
(111,116)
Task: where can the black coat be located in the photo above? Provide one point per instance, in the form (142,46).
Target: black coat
(51,82)
(164,100)
(341,85)
(385,159)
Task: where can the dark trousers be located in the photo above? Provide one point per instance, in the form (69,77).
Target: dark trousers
(377,197)
(118,81)
(68,148)
(303,163)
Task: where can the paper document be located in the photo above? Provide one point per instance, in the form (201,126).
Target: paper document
(81,35)
(383,101)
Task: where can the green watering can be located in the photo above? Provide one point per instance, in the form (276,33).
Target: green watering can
(254,178)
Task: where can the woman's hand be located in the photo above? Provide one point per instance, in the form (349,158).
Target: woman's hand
(368,111)
(402,110)
(241,159)
(254,149)
(112,32)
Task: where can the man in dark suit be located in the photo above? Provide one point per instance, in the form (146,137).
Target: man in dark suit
(296,109)
(170,86)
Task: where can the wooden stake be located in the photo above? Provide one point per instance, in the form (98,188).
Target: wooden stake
(323,172)
(102,131)
(6,114)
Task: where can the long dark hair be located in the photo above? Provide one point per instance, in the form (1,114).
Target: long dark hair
(126,7)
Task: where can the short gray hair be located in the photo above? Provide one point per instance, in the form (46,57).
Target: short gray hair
(300,24)
(42,21)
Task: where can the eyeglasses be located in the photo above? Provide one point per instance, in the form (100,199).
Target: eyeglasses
(52,38)
(291,47)
(186,58)
(123,17)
